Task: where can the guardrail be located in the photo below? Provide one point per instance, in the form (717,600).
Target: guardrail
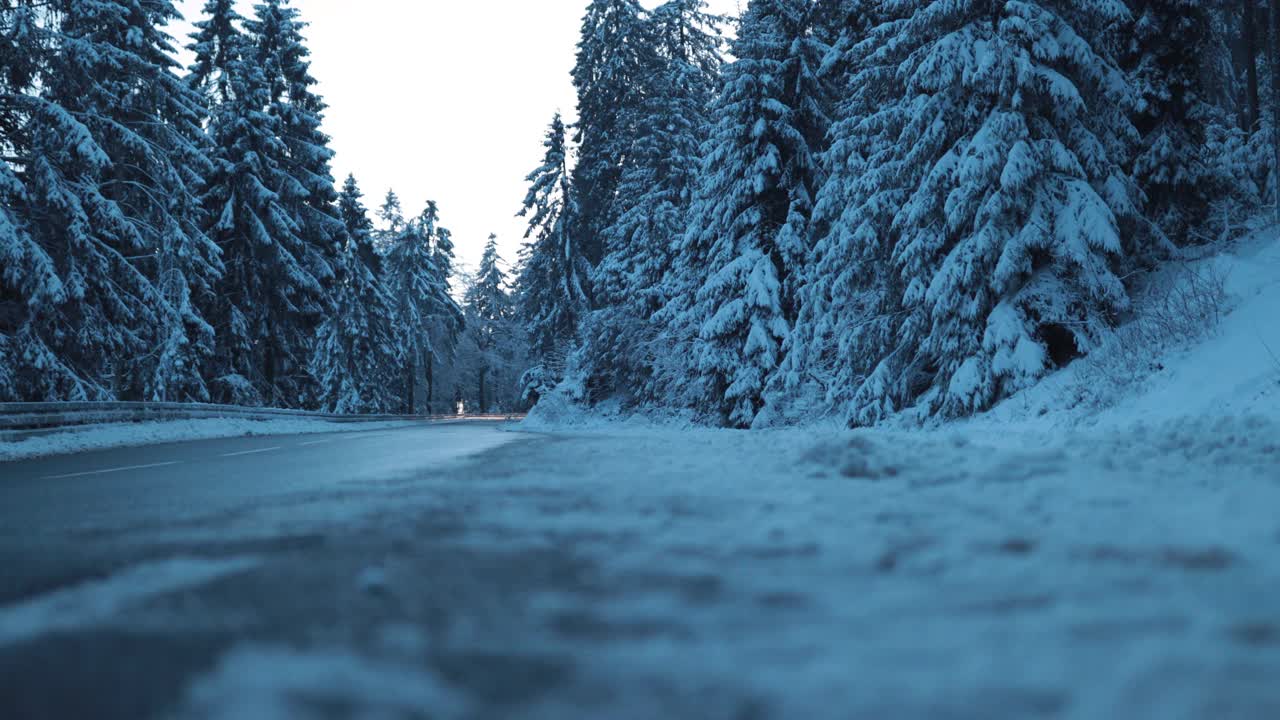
(41,416)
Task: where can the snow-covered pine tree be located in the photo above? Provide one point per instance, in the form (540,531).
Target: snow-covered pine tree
(841,324)
(606,76)
(999,138)
(110,153)
(283,55)
(390,217)
(29,281)
(1177,56)
(750,217)
(448,321)
(410,277)
(678,80)
(356,357)
(269,301)
(489,310)
(214,44)
(391,213)
(150,124)
(427,318)
(554,275)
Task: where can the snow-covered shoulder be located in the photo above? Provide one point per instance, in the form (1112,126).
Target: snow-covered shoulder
(1203,346)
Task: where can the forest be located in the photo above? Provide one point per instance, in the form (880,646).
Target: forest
(851,208)
(172,234)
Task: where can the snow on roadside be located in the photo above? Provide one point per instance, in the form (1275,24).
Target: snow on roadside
(1233,374)
(1229,376)
(950,572)
(104,437)
(98,601)
(270,683)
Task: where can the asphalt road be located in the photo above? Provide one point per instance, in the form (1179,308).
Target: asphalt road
(86,537)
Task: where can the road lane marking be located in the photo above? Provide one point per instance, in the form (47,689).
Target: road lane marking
(110,470)
(252,452)
(316,442)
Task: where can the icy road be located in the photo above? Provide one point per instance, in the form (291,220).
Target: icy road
(468,572)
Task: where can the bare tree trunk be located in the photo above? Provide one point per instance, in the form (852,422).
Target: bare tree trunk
(484,404)
(431,382)
(410,385)
(1249,29)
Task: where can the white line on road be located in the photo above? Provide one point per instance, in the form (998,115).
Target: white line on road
(251,452)
(317,442)
(110,470)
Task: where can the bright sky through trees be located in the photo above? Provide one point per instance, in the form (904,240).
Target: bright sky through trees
(446,101)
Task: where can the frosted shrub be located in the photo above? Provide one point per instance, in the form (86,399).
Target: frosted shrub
(1186,308)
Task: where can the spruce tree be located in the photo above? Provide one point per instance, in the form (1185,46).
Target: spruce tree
(606,76)
(679,79)
(29,281)
(995,189)
(214,45)
(270,300)
(1175,55)
(282,53)
(448,320)
(112,153)
(391,213)
(751,214)
(160,161)
(554,275)
(356,356)
(417,278)
(489,310)
(842,323)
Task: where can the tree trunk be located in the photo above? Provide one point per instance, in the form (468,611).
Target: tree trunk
(483,407)
(431,382)
(411,371)
(1249,22)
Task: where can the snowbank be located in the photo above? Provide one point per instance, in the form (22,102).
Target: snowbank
(24,446)
(1229,369)
(1231,373)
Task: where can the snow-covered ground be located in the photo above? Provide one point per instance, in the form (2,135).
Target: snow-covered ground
(103,437)
(1069,554)
(1232,371)
(956,573)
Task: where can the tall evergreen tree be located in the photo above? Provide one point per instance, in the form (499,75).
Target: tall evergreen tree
(994,189)
(606,75)
(112,156)
(751,216)
(356,355)
(282,53)
(391,213)
(270,300)
(489,311)
(554,275)
(678,81)
(418,267)
(29,281)
(214,45)
(449,320)
(1175,54)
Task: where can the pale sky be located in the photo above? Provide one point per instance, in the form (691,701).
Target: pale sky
(443,99)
